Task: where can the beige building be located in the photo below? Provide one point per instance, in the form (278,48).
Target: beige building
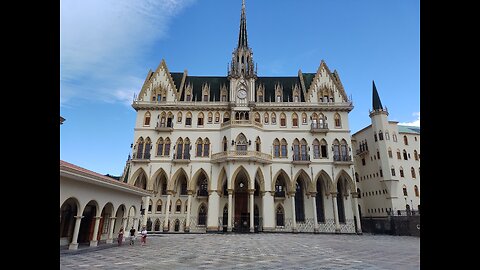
(387,164)
(243,152)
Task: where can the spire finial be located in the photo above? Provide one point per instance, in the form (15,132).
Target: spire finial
(242,36)
(376,103)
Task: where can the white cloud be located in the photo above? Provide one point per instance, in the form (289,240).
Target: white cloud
(413,123)
(102,44)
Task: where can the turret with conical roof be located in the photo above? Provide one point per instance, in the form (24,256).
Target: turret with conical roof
(376,102)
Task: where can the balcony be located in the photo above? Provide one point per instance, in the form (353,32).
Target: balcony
(319,128)
(202,193)
(362,151)
(164,127)
(233,155)
(279,195)
(181,159)
(301,159)
(141,158)
(342,160)
(241,123)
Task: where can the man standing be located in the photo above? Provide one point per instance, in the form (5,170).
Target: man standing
(132,236)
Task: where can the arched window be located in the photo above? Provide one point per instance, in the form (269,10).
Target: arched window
(179,149)
(160,145)
(415,154)
(217,117)
(280,187)
(276,148)
(405,193)
(170,119)
(401,172)
(375,136)
(336,150)
(206,147)
(356,177)
(163,119)
(186,149)
(166,151)
(150,205)
(157,225)
(304,118)
(188,119)
(359,193)
(294,120)
(159,206)
(188,95)
(387,135)
(415,188)
(405,140)
(200,119)
(202,215)
(265,118)
(202,186)
(257,118)
(390,154)
(210,117)
(323,149)
(280,216)
(412,170)
(394,137)
(296,150)
(392,170)
(338,120)
(260,95)
(399,155)
(380,135)
(258,145)
(148,147)
(316,148)
(224,143)
(199,147)
(140,145)
(178,206)
(405,157)
(344,150)
(179,117)
(241,143)
(304,150)
(146,121)
(283,120)
(226,117)
(283,148)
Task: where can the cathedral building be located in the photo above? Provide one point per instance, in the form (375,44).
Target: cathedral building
(242,152)
(387,164)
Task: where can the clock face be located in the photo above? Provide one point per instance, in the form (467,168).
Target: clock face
(242,93)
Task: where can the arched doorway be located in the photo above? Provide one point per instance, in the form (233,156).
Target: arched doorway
(242,214)
(157,225)
(177,225)
(104,224)
(68,211)
(340,200)
(149,224)
(85,233)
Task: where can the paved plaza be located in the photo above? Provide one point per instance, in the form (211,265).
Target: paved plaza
(254,251)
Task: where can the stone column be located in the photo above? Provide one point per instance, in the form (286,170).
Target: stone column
(212,214)
(167,211)
(356,213)
(146,202)
(189,205)
(110,230)
(314,207)
(74,244)
(230,207)
(294,219)
(252,203)
(94,241)
(335,212)
(268,211)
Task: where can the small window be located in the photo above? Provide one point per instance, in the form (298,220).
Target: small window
(412,170)
(393,171)
(363,161)
(200,119)
(390,154)
(405,191)
(380,135)
(179,117)
(416,191)
(159,206)
(188,119)
(295,120)
(401,172)
(274,119)
(405,139)
(399,155)
(405,157)
(338,121)
(283,120)
(266,117)
(394,137)
(147,119)
(210,117)
(304,118)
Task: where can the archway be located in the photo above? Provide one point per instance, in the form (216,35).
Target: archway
(241,213)
(119,219)
(177,225)
(68,211)
(104,224)
(157,225)
(87,224)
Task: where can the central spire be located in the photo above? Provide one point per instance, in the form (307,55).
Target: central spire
(242,36)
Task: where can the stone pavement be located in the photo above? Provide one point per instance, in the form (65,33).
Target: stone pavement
(254,251)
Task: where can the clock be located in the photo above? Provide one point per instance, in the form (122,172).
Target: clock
(242,93)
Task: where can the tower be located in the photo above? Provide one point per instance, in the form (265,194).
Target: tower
(241,71)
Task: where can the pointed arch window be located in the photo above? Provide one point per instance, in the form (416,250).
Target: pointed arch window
(146,121)
(405,193)
(159,206)
(260,95)
(210,117)
(202,215)
(392,170)
(276,148)
(380,135)
(344,151)
(405,139)
(323,149)
(166,151)
(265,118)
(202,186)
(150,204)
(182,149)
(283,148)
(241,143)
(338,120)
(387,135)
(390,154)
(274,119)
(224,143)
(296,150)
(336,150)
(200,119)
(412,171)
(304,118)
(188,96)
(146,154)
(160,145)
(179,117)
(178,206)
(401,172)
(280,216)
(405,156)
(394,137)
(226,117)
(415,154)
(283,120)
(316,148)
(217,117)
(163,119)
(188,119)
(257,118)
(294,120)
(399,155)
(206,147)
(415,188)
(199,146)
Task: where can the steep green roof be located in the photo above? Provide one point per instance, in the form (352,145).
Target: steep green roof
(177,79)
(198,81)
(287,82)
(377,104)
(308,78)
(408,129)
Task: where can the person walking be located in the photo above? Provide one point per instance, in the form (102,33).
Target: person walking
(144,235)
(120,236)
(132,236)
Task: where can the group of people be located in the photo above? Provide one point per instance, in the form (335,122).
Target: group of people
(143,236)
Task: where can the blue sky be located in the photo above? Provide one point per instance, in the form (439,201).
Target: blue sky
(107,48)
